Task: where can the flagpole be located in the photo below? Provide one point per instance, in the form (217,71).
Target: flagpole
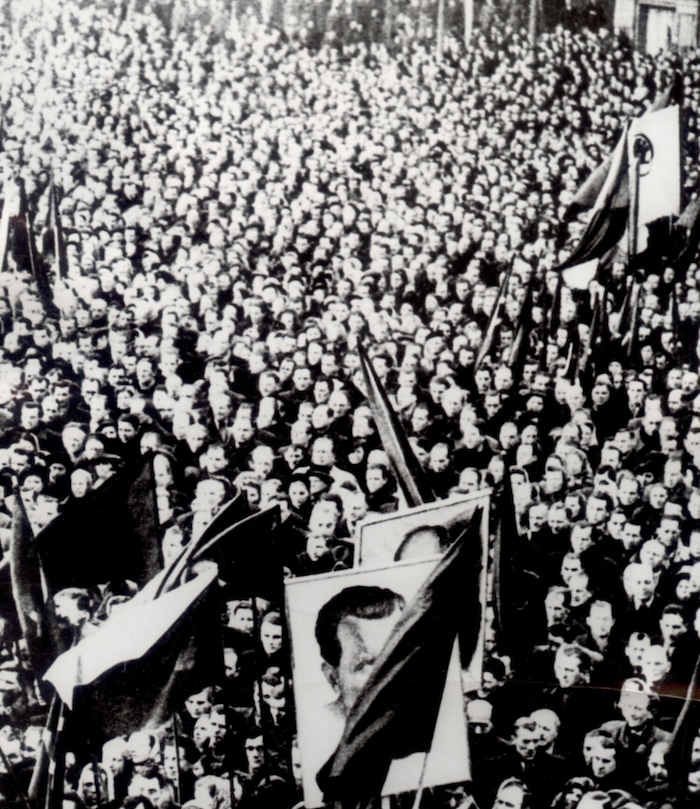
(54,791)
(633,222)
(178,785)
(419,792)
(98,781)
(491,328)
(258,682)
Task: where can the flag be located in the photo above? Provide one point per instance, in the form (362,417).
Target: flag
(609,213)
(672,94)
(246,552)
(53,242)
(10,210)
(229,514)
(630,329)
(675,326)
(688,227)
(654,157)
(589,192)
(595,332)
(686,728)
(521,340)
(137,668)
(248,556)
(570,370)
(111,534)
(581,275)
(26,255)
(517,596)
(555,312)
(494,320)
(34,612)
(407,469)
(54,252)
(396,711)
(43,785)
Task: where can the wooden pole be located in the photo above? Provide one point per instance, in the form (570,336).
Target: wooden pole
(178,785)
(54,791)
(633,222)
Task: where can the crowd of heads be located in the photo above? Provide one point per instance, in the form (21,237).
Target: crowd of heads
(240,215)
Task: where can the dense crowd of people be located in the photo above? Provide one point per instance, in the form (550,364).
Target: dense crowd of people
(240,214)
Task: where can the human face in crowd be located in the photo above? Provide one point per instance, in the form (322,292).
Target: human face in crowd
(555,608)
(270,637)
(510,797)
(655,664)
(641,582)
(603,760)
(298,494)
(241,618)
(600,621)
(526,743)
(636,646)
(628,492)
(567,670)
(635,708)
(571,567)
(198,704)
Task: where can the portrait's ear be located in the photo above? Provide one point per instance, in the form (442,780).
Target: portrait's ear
(331,674)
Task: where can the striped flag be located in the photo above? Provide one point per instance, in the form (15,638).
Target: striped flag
(608,220)
(407,469)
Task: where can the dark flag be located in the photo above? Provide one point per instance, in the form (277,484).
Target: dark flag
(688,228)
(684,732)
(396,711)
(570,370)
(46,785)
(111,534)
(34,611)
(590,353)
(53,241)
(555,312)
(248,556)
(521,341)
(517,596)
(672,94)
(676,326)
(407,469)
(229,514)
(609,213)
(26,255)
(494,320)
(246,552)
(630,334)
(143,661)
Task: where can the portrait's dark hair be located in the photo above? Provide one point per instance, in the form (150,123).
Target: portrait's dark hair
(439,531)
(356,602)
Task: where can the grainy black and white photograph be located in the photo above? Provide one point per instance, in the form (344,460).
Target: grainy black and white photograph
(349,404)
